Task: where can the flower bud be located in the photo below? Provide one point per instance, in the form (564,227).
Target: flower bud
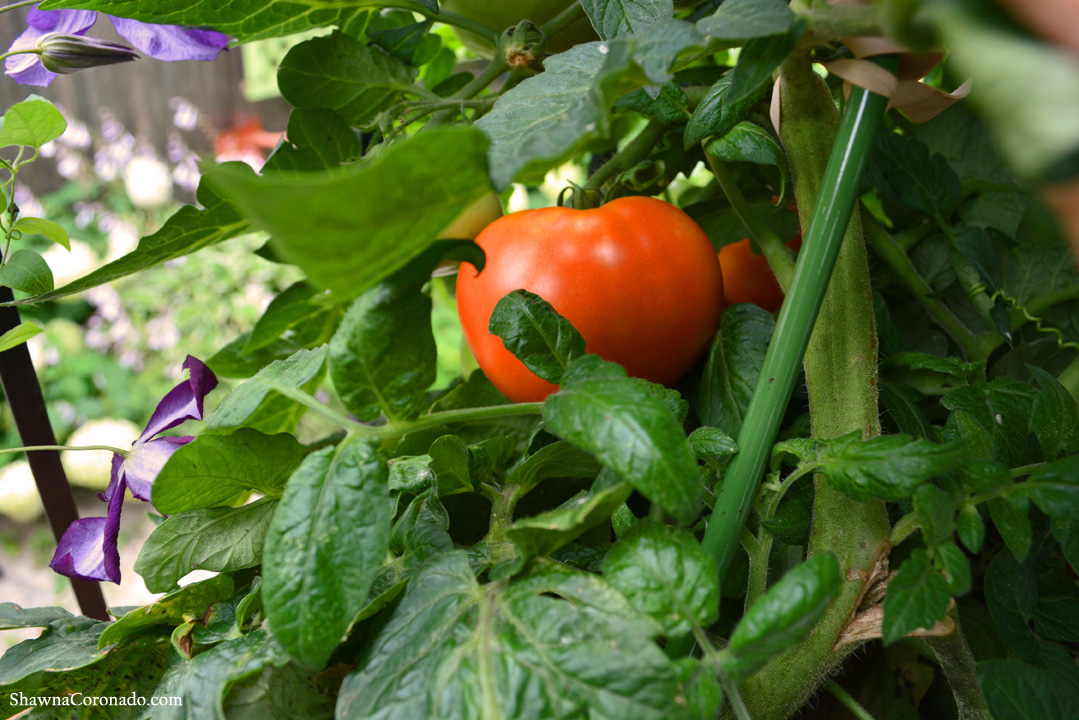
(523,45)
(62,53)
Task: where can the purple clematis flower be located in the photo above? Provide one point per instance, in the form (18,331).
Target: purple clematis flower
(88,548)
(162,42)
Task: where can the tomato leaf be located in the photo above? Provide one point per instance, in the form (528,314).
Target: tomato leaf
(888,467)
(191,601)
(671,105)
(936,511)
(543,534)
(970,528)
(782,617)
(716,114)
(220,539)
(734,365)
(712,443)
(1011,594)
(748,142)
(325,545)
(536,334)
(748,19)
(665,574)
(338,72)
(618,18)
(1002,409)
(212,469)
(316,140)
(917,598)
(262,402)
(759,58)
(407,203)
(630,430)
(1018,691)
(952,563)
(907,172)
(557,460)
(495,646)
(1054,417)
(291,309)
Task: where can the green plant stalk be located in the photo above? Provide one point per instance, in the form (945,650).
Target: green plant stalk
(848,700)
(957,662)
(840,357)
(808,125)
(1069,378)
(779,260)
(634,152)
(893,253)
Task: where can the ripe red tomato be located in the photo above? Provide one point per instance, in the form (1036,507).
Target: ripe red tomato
(637,277)
(747,277)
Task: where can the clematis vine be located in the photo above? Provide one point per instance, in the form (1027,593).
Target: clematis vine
(162,42)
(88,549)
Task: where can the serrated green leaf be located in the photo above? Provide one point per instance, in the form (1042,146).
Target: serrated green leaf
(18,335)
(630,430)
(1054,417)
(551,117)
(656,47)
(324,547)
(734,365)
(454,649)
(188,230)
(970,528)
(340,73)
(316,140)
(793,519)
(46,228)
(888,467)
(910,174)
(748,142)
(747,19)
(619,18)
(31,123)
(1009,515)
(936,511)
(557,460)
(667,575)
(291,308)
(952,563)
(407,201)
(543,534)
(782,617)
(1017,691)
(536,334)
(917,598)
(216,539)
(716,114)
(1011,594)
(757,61)
(204,682)
(1055,488)
(212,469)
(671,105)
(175,608)
(712,443)
(262,402)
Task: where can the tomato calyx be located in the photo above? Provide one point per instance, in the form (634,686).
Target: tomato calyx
(523,45)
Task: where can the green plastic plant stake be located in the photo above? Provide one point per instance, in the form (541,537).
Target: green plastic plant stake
(820,248)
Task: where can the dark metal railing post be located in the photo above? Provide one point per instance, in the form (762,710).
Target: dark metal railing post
(23,393)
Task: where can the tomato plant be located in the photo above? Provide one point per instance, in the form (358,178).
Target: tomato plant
(876,485)
(636,277)
(747,277)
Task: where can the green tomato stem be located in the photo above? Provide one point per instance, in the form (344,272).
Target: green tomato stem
(848,700)
(563,20)
(771,246)
(16,6)
(634,152)
(904,528)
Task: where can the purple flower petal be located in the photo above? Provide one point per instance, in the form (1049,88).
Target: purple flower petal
(171,42)
(26,68)
(88,550)
(117,463)
(145,462)
(183,402)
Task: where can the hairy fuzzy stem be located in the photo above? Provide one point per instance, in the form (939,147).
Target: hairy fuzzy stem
(841,375)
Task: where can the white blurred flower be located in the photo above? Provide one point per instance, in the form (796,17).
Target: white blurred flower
(108,304)
(185,115)
(70,165)
(19,499)
(67,266)
(29,205)
(123,238)
(93,468)
(148,182)
(186,173)
(76,135)
(162,333)
(36,346)
(47,150)
(518,199)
